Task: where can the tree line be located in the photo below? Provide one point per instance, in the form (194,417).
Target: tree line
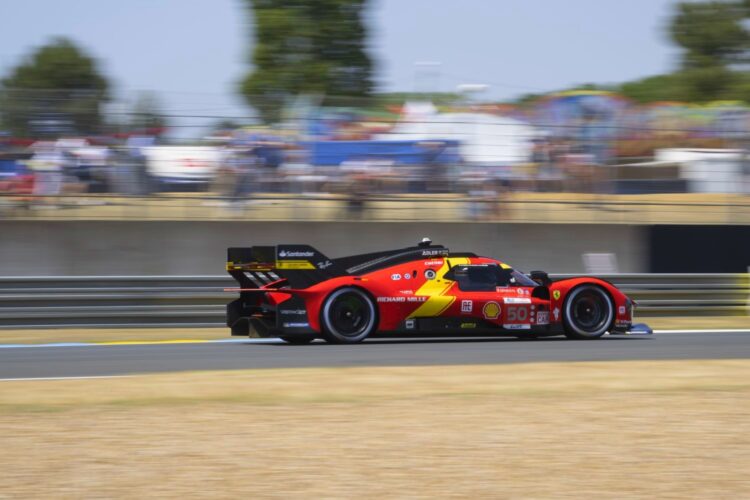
(319,47)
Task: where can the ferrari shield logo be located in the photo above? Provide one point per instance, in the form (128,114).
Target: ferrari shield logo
(556,294)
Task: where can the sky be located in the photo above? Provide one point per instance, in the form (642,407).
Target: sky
(192,53)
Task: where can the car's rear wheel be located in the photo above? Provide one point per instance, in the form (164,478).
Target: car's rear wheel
(348,316)
(588,312)
(298,339)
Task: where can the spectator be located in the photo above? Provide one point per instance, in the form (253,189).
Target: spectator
(245,167)
(47,164)
(269,156)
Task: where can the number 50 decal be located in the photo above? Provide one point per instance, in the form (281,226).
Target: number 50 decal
(516,313)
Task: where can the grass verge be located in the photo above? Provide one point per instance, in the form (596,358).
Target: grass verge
(556,430)
(51,335)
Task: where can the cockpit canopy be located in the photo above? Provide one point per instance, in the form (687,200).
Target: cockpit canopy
(486,277)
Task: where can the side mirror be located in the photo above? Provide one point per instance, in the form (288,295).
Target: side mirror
(540,277)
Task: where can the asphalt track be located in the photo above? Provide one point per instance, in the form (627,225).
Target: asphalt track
(108,360)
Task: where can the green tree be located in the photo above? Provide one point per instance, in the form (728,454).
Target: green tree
(669,87)
(711,33)
(306,46)
(146,114)
(399,98)
(225,124)
(716,45)
(57,89)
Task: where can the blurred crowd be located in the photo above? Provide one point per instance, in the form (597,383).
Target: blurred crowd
(49,168)
(586,141)
(241,169)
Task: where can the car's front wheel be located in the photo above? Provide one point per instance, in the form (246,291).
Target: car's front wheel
(348,316)
(588,312)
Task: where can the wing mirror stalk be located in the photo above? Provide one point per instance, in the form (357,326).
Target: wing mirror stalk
(540,277)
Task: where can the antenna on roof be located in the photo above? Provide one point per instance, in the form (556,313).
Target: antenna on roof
(425,242)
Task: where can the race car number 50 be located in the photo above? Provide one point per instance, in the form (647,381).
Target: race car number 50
(516,313)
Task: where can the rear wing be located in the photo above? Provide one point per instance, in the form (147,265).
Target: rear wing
(298,266)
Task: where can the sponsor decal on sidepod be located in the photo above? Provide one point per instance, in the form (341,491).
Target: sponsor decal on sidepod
(403,299)
(491,310)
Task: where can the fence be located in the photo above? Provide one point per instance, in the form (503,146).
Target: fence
(199,301)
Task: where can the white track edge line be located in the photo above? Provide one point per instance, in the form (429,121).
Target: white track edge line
(27,379)
(137,343)
(274,340)
(712,330)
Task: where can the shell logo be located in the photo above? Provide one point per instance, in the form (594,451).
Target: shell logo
(491,310)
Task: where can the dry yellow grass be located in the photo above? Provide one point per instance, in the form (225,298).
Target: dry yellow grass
(697,322)
(51,335)
(576,430)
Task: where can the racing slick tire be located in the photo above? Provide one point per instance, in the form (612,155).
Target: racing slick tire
(298,339)
(588,313)
(348,316)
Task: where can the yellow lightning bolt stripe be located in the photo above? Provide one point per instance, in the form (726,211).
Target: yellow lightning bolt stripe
(434,289)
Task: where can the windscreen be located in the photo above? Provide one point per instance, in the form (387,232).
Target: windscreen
(517,278)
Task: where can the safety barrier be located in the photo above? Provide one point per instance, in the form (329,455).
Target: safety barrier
(199,301)
(685,294)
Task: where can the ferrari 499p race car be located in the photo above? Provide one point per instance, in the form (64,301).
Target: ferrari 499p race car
(297,293)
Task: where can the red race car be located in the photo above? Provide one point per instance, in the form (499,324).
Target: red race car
(297,293)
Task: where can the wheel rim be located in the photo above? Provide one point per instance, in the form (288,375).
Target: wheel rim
(590,311)
(349,315)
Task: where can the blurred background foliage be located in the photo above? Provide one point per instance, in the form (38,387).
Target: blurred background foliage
(319,48)
(57,82)
(307,47)
(715,45)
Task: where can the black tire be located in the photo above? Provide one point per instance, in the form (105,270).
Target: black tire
(588,313)
(348,316)
(298,339)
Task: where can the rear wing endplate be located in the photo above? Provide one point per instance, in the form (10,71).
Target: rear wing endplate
(300,266)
